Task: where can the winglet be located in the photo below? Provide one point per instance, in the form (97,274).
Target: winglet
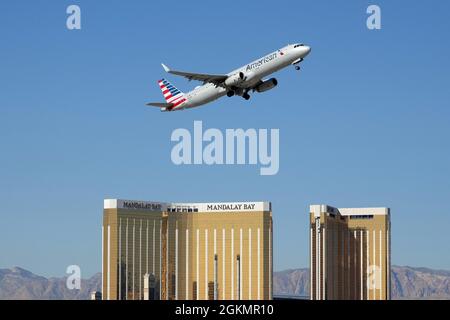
(166,68)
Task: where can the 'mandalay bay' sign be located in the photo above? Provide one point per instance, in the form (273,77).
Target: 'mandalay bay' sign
(225,206)
(230,207)
(185,207)
(141,205)
(134,205)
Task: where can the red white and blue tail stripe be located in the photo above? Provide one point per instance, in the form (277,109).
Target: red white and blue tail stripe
(171,93)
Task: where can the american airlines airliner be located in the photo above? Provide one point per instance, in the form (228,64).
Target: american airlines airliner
(240,82)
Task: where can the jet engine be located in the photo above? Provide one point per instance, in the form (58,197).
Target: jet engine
(266,85)
(235,79)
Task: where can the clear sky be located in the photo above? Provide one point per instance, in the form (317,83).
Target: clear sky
(365,123)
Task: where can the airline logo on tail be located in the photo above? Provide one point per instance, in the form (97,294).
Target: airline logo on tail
(171,93)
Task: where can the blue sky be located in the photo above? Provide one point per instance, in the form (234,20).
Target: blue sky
(365,123)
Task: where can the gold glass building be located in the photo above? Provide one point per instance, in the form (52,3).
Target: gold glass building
(350,252)
(192,251)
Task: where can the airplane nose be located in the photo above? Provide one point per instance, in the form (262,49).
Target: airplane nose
(307,50)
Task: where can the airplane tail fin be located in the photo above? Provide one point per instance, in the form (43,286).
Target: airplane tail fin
(170,92)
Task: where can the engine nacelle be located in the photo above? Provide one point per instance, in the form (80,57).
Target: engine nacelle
(267,85)
(235,79)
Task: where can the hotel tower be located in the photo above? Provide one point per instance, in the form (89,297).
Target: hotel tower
(192,251)
(350,253)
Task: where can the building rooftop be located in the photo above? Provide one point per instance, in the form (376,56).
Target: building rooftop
(323,208)
(187,207)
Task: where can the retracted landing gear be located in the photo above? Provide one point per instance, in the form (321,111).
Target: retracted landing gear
(296,64)
(243,93)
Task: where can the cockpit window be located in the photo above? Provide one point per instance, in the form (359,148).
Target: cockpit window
(299,45)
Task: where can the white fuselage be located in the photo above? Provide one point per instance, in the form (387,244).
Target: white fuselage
(254,72)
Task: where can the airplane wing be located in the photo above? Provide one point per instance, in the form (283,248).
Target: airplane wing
(160,104)
(213,78)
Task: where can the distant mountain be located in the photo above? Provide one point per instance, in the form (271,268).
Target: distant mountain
(420,283)
(17,283)
(407,283)
(291,282)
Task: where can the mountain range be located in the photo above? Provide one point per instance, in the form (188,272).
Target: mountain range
(407,283)
(19,284)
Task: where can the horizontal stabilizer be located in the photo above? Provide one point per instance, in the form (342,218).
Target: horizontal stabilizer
(160,105)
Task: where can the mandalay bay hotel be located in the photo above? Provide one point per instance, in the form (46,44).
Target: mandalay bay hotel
(186,251)
(350,251)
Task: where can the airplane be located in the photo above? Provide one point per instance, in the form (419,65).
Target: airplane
(238,82)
